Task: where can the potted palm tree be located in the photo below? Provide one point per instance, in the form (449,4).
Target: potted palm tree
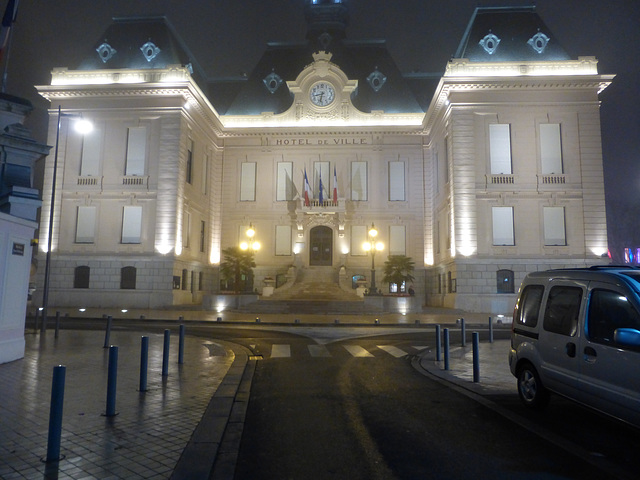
(237,268)
(398,269)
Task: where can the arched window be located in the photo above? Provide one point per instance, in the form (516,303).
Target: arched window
(505,283)
(81,276)
(128,278)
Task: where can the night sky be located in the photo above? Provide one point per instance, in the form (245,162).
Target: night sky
(228,37)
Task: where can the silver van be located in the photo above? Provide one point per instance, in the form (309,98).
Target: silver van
(576,332)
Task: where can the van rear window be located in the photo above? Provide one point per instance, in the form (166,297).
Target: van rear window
(528,307)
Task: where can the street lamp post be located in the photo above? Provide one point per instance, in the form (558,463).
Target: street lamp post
(372,246)
(82,127)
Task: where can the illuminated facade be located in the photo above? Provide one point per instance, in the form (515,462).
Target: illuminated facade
(481,175)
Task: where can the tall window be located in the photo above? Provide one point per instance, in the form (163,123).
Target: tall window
(81,276)
(503,226)
(554,228)
(86,225)
(396,182)
(550,148)
(205,174)
(186,230)
(321,172)
(359,181)
(189,174)
(284,187)
(91,152)
(397,242)
(203,231)
(136,150)
(445,160)
(500,148)
(358,237)
(185,279)
(283,239)
(131,224)
(128,278)
(248,182)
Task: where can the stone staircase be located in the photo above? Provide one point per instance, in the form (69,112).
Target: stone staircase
(315,291)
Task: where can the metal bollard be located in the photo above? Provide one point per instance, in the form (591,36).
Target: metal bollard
(165,354)
(144,363)
(57,324)
(55,413)
(476,358)
(43,324)
(438,344)
(181,346)
(490,331)
(107,332)
(112,380)
(463,333)
(446,349)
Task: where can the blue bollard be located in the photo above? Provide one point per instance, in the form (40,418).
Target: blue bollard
(463,333)
(165,354)
(112,380)
(446,349)
(438,344)
(476,358)
(490,331)
(55,413)
(107,333)
(144,363)
(181,346)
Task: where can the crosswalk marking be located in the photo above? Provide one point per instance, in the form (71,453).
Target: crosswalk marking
(318,351)
(322,351)
(391,350)
(357,351)
(420,347)
(280,351)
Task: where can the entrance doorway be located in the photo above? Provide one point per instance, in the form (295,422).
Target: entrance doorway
(321,246)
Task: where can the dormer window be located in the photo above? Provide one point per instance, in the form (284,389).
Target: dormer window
(150,51)
(490,43)
(376,80)
(272,82)
(538,42)
(106,51)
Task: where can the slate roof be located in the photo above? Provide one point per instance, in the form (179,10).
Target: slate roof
(121,46)
(521,36)
(357,59)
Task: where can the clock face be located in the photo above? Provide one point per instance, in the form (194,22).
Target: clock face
(322,94)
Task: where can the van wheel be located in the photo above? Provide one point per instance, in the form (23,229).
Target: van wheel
(530,389)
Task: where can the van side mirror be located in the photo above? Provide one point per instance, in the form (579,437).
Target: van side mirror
(627,337)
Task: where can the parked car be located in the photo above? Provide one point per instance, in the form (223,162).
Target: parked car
(576,333)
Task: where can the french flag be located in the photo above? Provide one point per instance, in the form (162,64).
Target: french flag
(335,186)
(321,196)
(306,189)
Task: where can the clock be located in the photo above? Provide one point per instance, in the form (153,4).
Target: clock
(322,94)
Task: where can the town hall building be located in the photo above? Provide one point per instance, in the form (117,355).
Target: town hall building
(479,175)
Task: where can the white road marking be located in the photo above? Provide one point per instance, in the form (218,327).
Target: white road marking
(357,351)
(280,351)
(391,350)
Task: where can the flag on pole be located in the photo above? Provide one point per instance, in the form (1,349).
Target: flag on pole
(321,197)
(335,185)
(7,21)
(306,189)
